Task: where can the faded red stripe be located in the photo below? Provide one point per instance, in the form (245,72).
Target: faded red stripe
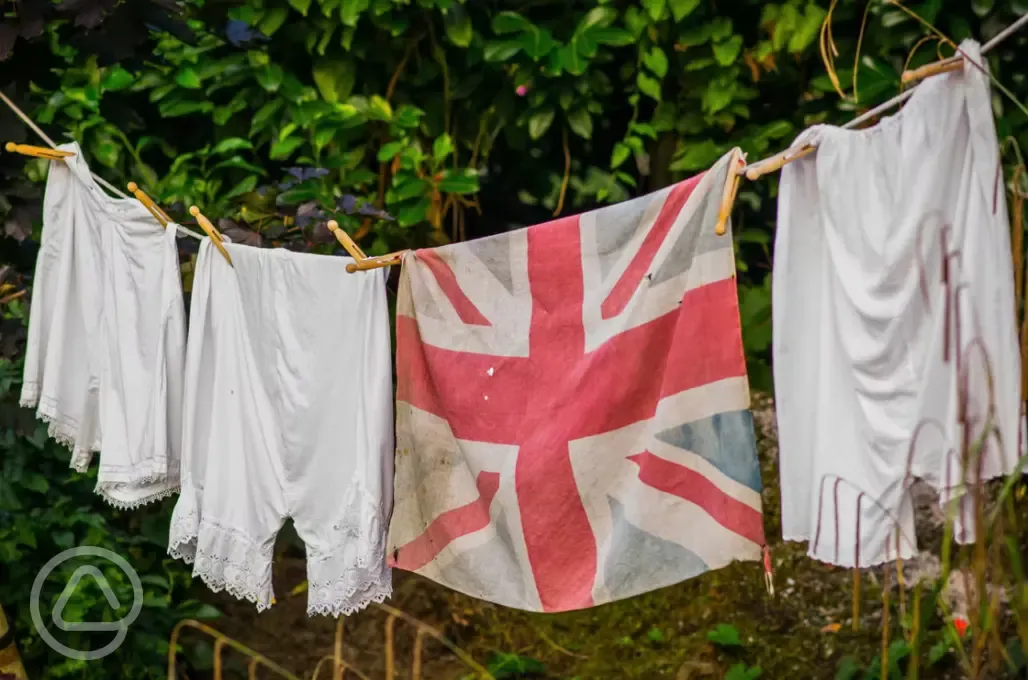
(444,276)
(629,282)
(449,526)
(691,486)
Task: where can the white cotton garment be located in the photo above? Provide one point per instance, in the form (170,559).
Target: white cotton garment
(871,348)
(106,346)
(288,413)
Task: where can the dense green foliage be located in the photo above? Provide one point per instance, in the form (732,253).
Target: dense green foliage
(412,122)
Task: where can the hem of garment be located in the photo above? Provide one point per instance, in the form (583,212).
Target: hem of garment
(61,428)
(152,471)
(161,494)
(850,564)
(233,573)
(341,586)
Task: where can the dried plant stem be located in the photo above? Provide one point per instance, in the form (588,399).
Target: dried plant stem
(856,598)
(885,622)
(567,171)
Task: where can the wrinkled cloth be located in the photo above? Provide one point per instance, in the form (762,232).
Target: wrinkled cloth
(871,328)
(288,413)
(106,340)
(572,406)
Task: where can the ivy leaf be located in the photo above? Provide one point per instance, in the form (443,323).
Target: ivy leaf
(537,43)
(727,52)
(539,123)
(615,37)
(188,78)
(458,26)
(682,8)
(648,86)
(379,108)
(442,147)
(656,61)
(270,77)
(301,6)
(334,79)
(411,188)
(413,214)
(982,7)
(581,122)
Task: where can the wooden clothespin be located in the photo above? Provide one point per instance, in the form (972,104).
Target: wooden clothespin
(933,69)
(159,215)
(736,166)
(38,151)
(363,262)
(213,233)
(777,161)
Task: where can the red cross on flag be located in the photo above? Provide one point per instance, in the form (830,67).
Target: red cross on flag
(572,406)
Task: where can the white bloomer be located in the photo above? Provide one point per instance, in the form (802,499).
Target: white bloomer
(288,414)
(873,353)
(106,339)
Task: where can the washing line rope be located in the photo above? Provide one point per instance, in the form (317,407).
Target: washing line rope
(110,187)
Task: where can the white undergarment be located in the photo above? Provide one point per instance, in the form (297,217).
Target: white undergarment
(859,314)
(106,340)
(288,414)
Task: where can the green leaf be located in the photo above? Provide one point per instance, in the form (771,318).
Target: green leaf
(408,116)
(539,123)
(501,51)
(742,672)
(682,8)
(596,18)
(284,148)
(655,8)
(725,635)
(727,52)
(511,22)
(379,108)
(648,86)
(849,669)
(442,148)
(301,6)
(334,79)
(463,182)
(188,78)
(264,114)
(413,214)
(273,20)
(982,7)
(581,122)
(270,77)
(117,78)
(232,144)
(537,43)
(411,188)
(808,29)
(243,187)
(206,611)
(458,27)
(35,482)
(615,37)
(656,61)
(350,10)
(389,150)
(620,155)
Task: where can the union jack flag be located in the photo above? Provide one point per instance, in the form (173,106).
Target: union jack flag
(573,420)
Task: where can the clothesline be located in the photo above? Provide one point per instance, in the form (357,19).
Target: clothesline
(110,187)
(895,101)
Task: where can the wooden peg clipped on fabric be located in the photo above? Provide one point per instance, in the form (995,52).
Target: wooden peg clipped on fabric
(361,261)
(38,151)
(776,162)
(933,69)
(209,229)
(148,203)
(735,170)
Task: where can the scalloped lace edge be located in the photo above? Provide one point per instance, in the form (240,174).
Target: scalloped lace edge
(133,504)
(371,592)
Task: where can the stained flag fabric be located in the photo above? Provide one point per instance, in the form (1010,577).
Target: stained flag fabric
(573,422)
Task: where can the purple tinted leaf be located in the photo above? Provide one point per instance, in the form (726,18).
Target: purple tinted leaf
(284,186)
(239,32)
(307,213)
(348,203)
(240,234)
(321,234)
(19,223)
(263,190)
(8,36)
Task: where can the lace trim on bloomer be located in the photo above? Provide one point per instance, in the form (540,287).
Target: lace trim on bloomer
(226,559)
(61,428)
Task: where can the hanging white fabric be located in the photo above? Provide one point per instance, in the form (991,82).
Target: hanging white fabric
(869,339)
